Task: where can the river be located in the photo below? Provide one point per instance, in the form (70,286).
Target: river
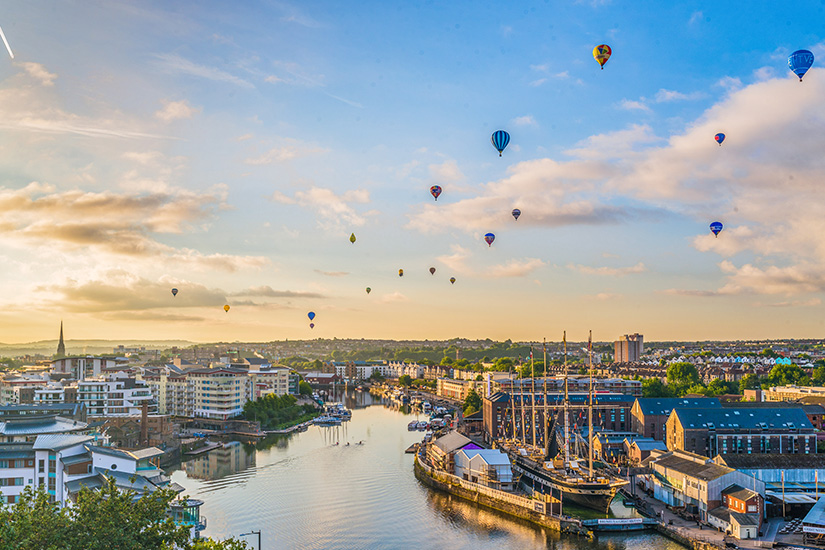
(303,491)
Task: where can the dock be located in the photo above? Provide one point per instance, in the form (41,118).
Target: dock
(205,449)
(291,429)
(620,524)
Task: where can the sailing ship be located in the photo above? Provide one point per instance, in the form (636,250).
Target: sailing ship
(564,478)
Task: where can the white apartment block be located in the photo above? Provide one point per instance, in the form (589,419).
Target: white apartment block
(269,380)
(81,368)
(121,397)
(220,394)
(13,390)
(172,390)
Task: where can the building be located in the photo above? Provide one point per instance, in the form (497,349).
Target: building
(688,480)
(628,348)
(220,394)
(458,389)
(638,449)
(81,368)
(114,397)
(441,452)
(575,383)
(792,393)
(709,432)
(610,446)
(649,415)
(488,467)
(268,379)
(61,347)
(19,390)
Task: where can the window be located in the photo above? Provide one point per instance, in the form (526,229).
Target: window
(41,466)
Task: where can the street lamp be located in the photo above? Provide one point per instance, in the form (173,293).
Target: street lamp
(253,533)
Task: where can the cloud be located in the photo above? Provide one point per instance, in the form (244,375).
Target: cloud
(795,303)
(114,223)
(630,105)
(393,297)
(332,210)
(788,280)
(174,110)
(266,291)
(332,273)
(609,271)
(457,261)
(526,120)
(446,172)
(695,17)
(729,83)
(666,96)
(175,64)
(39,72)
(514,268)
(538,82)
(289,150)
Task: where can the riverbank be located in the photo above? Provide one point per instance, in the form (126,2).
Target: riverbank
(528,509)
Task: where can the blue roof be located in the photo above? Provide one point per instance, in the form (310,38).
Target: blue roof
(744,418)
(663,405)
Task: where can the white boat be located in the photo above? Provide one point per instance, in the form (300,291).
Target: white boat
(412,426)
(327,421)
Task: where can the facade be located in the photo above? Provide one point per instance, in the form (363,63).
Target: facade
(792,393)
(81,368)
(18,390)
(119,397)
(709,432)
(488,467)
(610,446)
(220,394)
(628,348)
(269,380)
(575,383)
(649,415)
(638,449)
(458,389)
(441,452)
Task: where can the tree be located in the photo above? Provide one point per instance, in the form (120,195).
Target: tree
(784,375)
(304,388)
(503,364)
(681,377)
(405,380)
(472,401)
(653,387)
(818,378)
(749,382)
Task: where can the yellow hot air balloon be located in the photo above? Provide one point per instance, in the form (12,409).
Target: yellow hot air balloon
(601,54)
(226,308)
(352,238)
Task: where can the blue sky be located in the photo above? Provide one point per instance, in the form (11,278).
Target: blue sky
(229,150)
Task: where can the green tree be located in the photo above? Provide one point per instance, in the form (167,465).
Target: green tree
(749,382)
(472,401)
(304,388)
(405,380)
(818,377)
(653,387)
(783,375)
(682,377)
(503,364)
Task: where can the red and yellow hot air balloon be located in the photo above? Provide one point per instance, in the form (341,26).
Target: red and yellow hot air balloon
(601,54)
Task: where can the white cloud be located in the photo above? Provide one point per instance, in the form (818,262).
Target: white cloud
(446,172)
(174,110)
(175,64)
(393,297)
(609,271)
(695,17)
(39,72)
(666,96)
(526,120)
(514,268)
(333,211)
(538,82)
(289,149)
(630,105)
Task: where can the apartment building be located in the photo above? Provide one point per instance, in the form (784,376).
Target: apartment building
(114,397)
(649,415)
(267,379)
(81,368)
(791,393)
(19,390)
(220,394)
(628,348)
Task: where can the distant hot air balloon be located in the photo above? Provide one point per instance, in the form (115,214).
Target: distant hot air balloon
(601,54)
(174,292)
(400,272)
(432,271)
(452,280)
(435,191)
(720,137)
(489,237)
(311,315)
(516,213)
(352,238)
(226,308)
(500,139)
(800,61)
(715,228)
(312,325)
(369,290)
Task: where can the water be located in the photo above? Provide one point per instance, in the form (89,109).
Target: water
(302,491)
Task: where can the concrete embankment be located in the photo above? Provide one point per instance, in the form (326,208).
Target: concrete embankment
(514,505)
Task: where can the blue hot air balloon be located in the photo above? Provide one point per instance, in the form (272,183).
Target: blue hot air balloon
(720,137)
(715,228)
(500,140)
(800,61)
(489,238)
(516,213)
(311,315)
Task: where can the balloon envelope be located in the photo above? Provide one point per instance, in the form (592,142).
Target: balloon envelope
(516,213)
(489,237)
(720,137)
(400,272)
(716,227)
(352,238)
(500,139)
(226,308)
(435,190)
(311,315)
(432,271)
(369,290)
(452,280)
(312,325)
(800,61)
(174,292)
(601,54)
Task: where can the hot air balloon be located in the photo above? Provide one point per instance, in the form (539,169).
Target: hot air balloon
(516,213)
(601,54)
(226,308)
(435,191)
(311,315)
(720,137)
(800,61)
(400,272)
(369,290)
(432,271)
(312,325)
(500,139)
(715,228)
(352,238)
(489,237)
(174,292)
(452,280)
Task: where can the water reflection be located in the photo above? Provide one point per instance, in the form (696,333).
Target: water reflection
(229,459)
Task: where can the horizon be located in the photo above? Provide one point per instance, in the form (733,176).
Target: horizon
(229,151)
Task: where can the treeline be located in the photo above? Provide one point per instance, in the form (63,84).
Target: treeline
(277,411)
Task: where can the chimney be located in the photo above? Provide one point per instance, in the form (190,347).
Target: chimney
(144,424)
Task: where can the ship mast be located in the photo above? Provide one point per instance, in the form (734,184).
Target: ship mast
(546,420)
(533,396)
(566,409)
(513,403)
(523,437)
(590,405)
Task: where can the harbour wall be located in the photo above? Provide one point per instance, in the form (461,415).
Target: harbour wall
(689,542)
(514,505)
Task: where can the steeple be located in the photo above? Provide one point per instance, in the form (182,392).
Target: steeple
(61,347)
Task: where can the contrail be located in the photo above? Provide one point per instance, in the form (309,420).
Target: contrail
(6,42)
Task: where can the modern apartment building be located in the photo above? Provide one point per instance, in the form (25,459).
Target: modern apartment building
(81,368)
(628,348)
(220,394)
(114,397)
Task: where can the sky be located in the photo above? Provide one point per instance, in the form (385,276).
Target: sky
(229,149)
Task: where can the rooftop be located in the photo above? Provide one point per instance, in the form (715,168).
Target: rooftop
(744,418)
(663,405)
(771,461)
(685,464)
(56,442)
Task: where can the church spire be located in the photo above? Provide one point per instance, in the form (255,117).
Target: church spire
(61,347)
